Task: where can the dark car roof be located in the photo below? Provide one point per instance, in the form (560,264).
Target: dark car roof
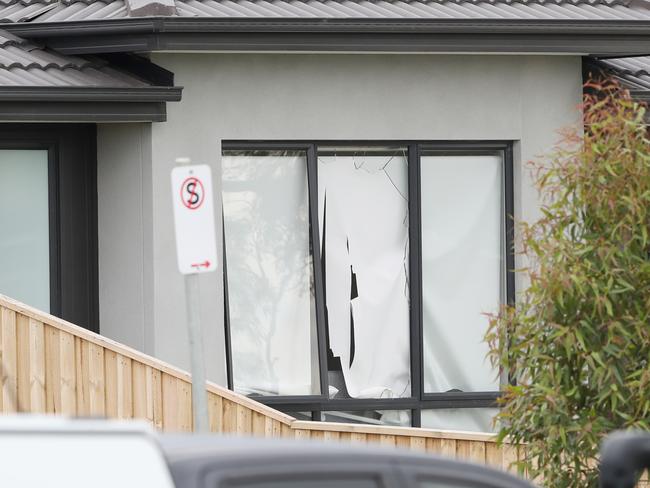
(191,457)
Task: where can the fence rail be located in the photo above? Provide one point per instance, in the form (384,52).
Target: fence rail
(52,366)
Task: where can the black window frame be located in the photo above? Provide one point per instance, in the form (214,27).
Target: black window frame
(419,400)
(72,208)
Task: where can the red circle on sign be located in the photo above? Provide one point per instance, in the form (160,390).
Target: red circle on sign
(196,193)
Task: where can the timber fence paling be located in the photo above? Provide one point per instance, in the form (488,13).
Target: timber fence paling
(52,366)
(470,446)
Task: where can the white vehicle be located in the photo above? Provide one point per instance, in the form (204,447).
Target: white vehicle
(55,452)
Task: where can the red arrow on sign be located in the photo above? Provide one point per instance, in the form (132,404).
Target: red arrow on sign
(205,264)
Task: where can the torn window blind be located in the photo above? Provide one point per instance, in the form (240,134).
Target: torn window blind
(270,278)
(462,270)
(363,208)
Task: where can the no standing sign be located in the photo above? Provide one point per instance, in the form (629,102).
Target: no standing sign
(196,247)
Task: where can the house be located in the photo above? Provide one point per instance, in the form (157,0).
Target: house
(368,156)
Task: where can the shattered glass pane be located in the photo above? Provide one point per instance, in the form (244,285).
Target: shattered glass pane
(363,208)
(464,419)
(462,268)
(398,418)
(270,279)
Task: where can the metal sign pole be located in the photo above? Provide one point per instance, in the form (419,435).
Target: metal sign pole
(196,251)
(199,395)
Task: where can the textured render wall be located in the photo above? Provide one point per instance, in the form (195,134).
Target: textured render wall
(271,96)
(125,234)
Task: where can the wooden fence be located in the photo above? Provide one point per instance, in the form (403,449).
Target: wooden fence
(52,366)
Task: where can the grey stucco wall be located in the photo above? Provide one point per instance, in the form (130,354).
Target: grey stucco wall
(526,99)
(125,234)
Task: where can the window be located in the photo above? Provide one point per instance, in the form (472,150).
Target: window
(270,278)
(397,418)
(48,219)
(462,269)
(467,419)
(358,276)
(364,224)
(24,208)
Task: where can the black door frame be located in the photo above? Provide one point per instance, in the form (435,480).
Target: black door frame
(72,188)
(419,399)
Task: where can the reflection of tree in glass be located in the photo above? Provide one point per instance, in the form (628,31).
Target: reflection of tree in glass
(267,247)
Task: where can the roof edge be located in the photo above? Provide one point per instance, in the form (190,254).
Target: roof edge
(89,94)
(38,111)
(152,25)
(595,37)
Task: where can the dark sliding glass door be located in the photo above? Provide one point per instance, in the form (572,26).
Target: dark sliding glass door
(48,219)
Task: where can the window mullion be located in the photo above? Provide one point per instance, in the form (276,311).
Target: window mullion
(416,417)
(312,185)
(509,226)
(415,273)
(226,309)
(509,238)
(55,229)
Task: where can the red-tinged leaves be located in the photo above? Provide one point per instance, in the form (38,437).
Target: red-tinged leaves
(578,340)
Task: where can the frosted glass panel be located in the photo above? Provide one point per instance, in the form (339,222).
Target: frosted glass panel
(24,227)
(464,419)
(462,271)
(399,418)
(363,208)
(270,283)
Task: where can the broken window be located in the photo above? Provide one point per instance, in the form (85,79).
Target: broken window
(462,268)
(319,247)
(468,419)
(363,210)
(269,266)
(398,418)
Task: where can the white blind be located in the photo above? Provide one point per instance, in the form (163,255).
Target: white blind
(461,268)
(272,320)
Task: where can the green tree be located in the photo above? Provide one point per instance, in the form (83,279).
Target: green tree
(577,342)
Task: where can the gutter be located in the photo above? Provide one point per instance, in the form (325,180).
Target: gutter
(155,25)
(70,111)
(596,37)
(85,104)
(89,94)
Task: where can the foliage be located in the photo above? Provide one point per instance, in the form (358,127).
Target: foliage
(578,339)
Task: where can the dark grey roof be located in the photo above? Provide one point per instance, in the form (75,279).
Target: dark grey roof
(633,72)
(23,63)
(38,84)
(76,10)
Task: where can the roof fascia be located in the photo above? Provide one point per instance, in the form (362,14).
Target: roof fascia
(37,111)
(596,37)
(89,94)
